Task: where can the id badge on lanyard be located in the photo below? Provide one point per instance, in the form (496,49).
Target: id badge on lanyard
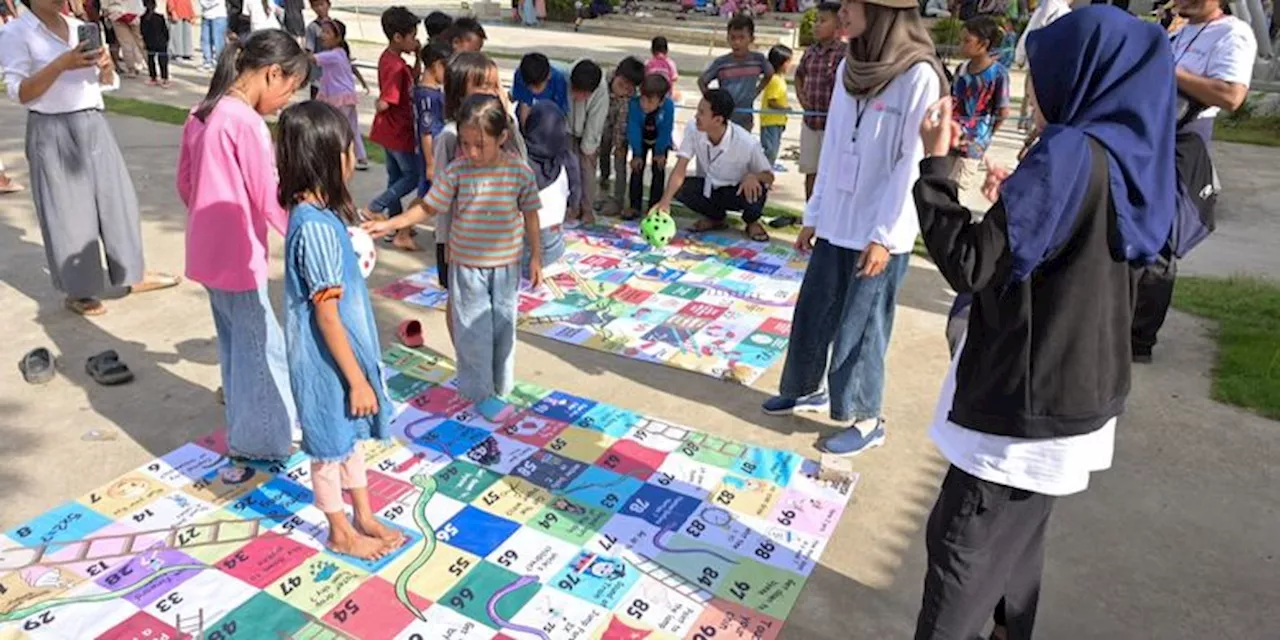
(850,161)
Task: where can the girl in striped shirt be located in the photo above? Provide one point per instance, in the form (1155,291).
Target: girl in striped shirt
(494,197)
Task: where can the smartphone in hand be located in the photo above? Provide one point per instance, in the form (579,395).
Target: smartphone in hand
(90,36)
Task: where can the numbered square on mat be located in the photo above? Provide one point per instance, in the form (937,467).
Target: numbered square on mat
(374,612)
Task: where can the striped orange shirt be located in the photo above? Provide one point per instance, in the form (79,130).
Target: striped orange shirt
(487,229)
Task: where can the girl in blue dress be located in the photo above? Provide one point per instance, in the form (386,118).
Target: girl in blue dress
(334,359)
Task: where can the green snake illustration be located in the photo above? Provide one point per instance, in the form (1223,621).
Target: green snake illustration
(18,614)
(427,483)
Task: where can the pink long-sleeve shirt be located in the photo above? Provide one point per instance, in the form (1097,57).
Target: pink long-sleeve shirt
(227,178)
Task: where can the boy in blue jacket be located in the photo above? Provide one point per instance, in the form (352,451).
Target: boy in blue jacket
(650,120)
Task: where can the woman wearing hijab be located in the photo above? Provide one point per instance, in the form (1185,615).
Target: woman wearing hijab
(860,222)
(1028,410)
(555,167)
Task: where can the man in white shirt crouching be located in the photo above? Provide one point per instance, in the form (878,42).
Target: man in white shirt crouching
(732,173)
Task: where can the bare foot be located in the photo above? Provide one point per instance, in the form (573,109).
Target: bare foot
(404,241)
(375,529)
(357,545)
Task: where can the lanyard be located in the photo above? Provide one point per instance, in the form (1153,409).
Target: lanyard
(860,109)
(1196,37)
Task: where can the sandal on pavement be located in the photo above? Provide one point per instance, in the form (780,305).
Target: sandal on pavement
(410,333)
(37,366)
(756,232)
(86,306)
(107,370)
(9,187)
(155,282)
(707,224)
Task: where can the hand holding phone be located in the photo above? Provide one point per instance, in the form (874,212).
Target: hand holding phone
(90,36)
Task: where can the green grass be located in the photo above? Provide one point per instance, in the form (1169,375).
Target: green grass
(1247,310)
(1249,129)
(169,114)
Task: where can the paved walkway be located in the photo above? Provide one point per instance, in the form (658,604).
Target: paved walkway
(1179,540)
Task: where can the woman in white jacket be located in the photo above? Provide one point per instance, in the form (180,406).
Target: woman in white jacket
(861,222)
(261,15)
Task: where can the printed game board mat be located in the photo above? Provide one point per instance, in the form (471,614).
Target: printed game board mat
(717,304)
(573,519)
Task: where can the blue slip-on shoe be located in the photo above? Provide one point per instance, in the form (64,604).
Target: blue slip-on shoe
(783,406)
(494,409)
(852,441)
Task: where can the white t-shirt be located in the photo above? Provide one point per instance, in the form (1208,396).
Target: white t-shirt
(1224,49)
(724,164)
(555,201)
(1049,466)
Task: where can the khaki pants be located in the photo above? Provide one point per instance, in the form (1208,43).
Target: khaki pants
(132,51)
(969,175)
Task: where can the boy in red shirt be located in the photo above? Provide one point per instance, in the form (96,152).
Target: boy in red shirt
(393,122)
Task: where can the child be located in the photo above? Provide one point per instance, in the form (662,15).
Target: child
(227,179)
(535,80)
(468,74)
(155,36)
(393,122)
(337,84)
(587,114)
(334,358)
(311,38)
(623,82)
(466,34)
(774,98)
(213,32)
(436,23)
(815,80)
(742,72)
(650,121)
(660,63)
(555,167)
(981,93)
(494,198)
(428,109)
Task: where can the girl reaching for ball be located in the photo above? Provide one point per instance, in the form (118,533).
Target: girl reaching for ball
(330,332)
(494,199)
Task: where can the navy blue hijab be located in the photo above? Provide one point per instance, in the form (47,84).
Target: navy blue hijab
(1098,73)
(546,138)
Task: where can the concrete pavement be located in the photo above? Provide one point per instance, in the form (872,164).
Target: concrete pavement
(1178,540)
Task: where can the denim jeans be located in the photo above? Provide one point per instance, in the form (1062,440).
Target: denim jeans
(482,305)
(213,34)
(849,317)
(771,141)
(403,172)
(260,412)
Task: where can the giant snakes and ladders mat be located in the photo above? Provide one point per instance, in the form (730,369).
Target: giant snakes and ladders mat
(717,304)
(572,520)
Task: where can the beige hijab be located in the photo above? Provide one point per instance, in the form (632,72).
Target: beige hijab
(895,40)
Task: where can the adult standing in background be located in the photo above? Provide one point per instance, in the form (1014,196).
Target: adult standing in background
(83,194)
(861,222)
(180,15)
(1214,54)
(1043,16)
(124,17)
(1029,407)
(213,31)
(293,21)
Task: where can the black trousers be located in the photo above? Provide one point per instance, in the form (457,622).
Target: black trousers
(722,201)
(986,554)
(162,59)
(1155,293)
(657,183)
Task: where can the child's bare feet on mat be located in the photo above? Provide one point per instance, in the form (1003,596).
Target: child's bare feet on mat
(373,528)
(353,543)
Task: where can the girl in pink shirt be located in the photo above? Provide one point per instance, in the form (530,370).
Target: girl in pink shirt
(227,178)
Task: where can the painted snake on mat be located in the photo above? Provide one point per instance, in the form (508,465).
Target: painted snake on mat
(427,483)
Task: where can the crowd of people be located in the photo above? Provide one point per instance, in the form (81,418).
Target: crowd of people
(1049,274)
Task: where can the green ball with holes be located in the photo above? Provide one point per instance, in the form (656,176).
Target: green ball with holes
(658,228)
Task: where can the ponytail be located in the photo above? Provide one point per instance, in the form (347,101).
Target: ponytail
(245,55)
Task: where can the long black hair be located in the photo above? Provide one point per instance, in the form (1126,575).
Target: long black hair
(465,69)
(312,137)
(485,112)
(262,49)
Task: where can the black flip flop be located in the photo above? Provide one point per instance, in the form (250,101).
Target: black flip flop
(782,222)
(107,370)
(37,366)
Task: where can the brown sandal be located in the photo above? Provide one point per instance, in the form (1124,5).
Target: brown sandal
(155,282)
(86,306)
(756,233)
